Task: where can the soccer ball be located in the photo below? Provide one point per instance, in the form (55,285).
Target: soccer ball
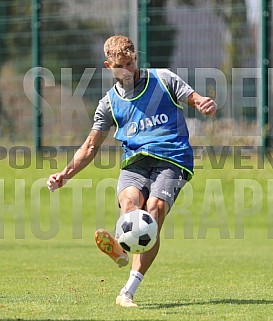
(136,231)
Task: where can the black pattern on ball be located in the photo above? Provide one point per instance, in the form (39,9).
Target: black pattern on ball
(136,231)
(125,247)
(147,218)
(144,240)
(127,226)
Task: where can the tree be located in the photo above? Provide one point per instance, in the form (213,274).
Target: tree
(65,42)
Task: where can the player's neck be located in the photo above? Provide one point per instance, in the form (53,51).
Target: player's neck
(137,75)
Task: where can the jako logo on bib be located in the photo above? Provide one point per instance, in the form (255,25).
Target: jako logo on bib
(133,128)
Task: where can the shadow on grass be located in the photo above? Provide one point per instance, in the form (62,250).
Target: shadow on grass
(170,305)
(223,301)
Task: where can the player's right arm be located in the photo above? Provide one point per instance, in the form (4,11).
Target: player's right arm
(83,156)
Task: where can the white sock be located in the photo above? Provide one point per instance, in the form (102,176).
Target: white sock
(133,282)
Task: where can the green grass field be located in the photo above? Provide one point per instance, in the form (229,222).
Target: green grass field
(215,261)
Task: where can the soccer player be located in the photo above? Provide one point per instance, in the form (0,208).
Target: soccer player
(144,106)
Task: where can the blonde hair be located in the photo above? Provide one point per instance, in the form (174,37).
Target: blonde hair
(117,47)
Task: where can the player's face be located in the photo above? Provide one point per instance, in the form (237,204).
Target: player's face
(124,70)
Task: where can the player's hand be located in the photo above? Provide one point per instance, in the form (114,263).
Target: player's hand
(55,181)
(207,106)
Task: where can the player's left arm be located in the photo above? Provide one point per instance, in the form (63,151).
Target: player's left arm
(205,105)
(182,92)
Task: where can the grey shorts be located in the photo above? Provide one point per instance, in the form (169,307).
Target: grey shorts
(153,177)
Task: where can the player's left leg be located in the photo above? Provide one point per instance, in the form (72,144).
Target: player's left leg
(158,208)
(141,262)
(166,182)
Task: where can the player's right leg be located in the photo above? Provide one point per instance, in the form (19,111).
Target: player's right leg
(109,245)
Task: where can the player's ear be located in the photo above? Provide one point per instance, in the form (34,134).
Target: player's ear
(106,64)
